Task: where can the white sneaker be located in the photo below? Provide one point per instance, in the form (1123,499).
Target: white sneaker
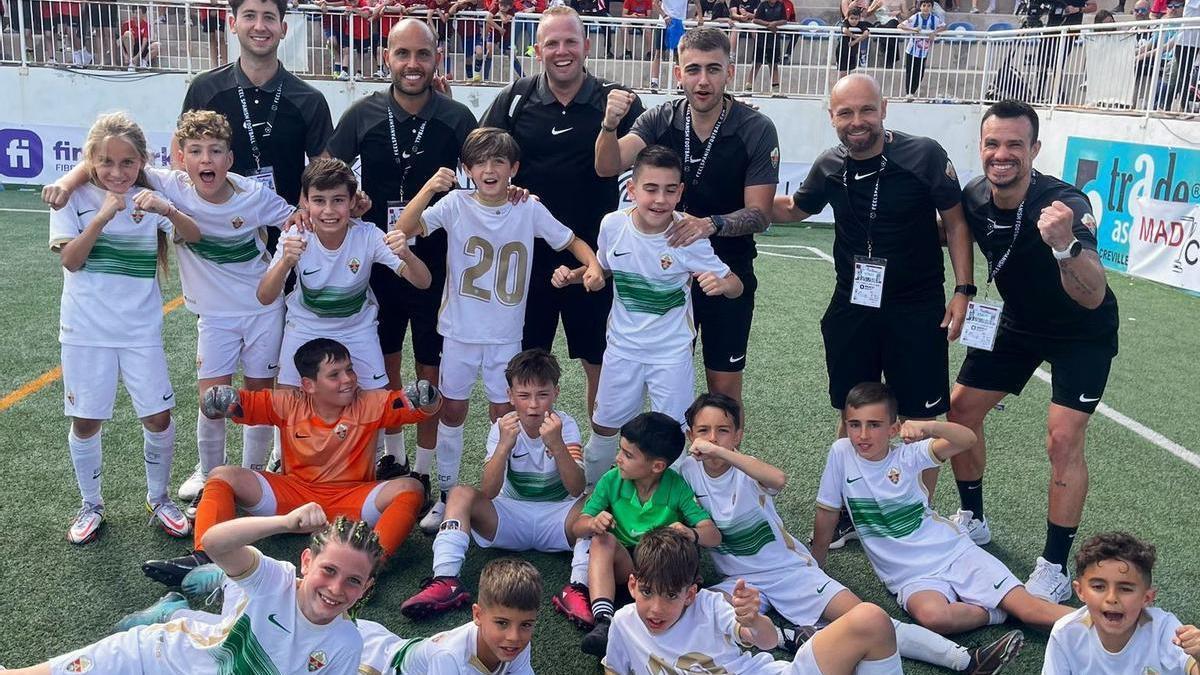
(170,518)
(977,529)
(433,520)
(1049,582)
(192,485)
(86,526)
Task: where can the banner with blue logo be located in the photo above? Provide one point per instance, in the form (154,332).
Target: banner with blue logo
(40,154)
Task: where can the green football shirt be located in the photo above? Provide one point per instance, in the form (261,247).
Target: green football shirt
(672,501)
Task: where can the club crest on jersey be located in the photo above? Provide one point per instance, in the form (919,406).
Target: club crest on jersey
(950,172)
(775,158)
(71,397)
(137,215)
(341,430)
(1089,221)
(894,475)
(354,265)
(316,661)
(80,665)
(237,222)
(666,261)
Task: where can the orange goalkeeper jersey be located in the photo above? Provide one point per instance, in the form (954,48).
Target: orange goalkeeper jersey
(316,451)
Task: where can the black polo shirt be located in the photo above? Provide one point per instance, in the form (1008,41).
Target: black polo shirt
(1030,282)
(558,148)
(363,132)
(746,153)
(918,181)
(300,128)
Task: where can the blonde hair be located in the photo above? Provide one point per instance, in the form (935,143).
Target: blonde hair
(198,124)
(120,125)
(511,583)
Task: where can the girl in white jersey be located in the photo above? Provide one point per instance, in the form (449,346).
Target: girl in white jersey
(276,624)
(111,238)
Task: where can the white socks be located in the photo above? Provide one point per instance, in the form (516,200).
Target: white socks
(393,446)
(449,549)
(579,561)
(159,450)
(210,443)
(424,460)
(888,666)
(920,643)
(449,457)
(256,446)
(598,456)
(86,456)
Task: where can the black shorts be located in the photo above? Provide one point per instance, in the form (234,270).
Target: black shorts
(723,324)
(584,315)
(766,49)
(402,304)
(903,344)
(1078,368)
(848,58)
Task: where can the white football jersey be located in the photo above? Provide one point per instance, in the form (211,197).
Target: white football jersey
(384,652)
(459,643)
(114,299)
(753,538)
(651,318)
(532,473)
(1075,649)
(220,273)
(333,288)
(703,640)
(488,258)
(903,536)
(262,632)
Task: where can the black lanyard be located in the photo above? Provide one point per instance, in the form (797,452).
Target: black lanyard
(874,212)
(412,153)
(995,269)
(254,150)
(708,145)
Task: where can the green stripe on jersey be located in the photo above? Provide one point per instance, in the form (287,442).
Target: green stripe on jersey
(745,538)
(126,255)
(241,653)
(875,519)
(536,487)
(332,301)
(397,663)
(639,294)
(226,250)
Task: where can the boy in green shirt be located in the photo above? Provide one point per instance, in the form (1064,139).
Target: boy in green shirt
(638,495)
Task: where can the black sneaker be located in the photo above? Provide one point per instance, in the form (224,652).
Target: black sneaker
(795,636)
(990,659)
(596,641)
(423,479)
(172,571)
(844,532)
(388,468)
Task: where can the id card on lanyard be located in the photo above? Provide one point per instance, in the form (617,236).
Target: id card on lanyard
(266,176)
(395,207)
(982,322)
(867,288)
(262,174)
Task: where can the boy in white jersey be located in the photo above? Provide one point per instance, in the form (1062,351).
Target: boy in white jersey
(333,297)
(739,492)
(528,495)
(282,622)
(111,240)
(650,327)
(673,626)
(1117,632)
(494,642)
(939,576)
(488,262)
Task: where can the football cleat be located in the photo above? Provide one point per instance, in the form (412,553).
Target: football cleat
(437,595)
(202,581)
(596,641)
(388,468)
(170,518)
(795,636)
(172,571)
(86,525)
(573,602)
(990,659)
(433,520)
(159,612)
(193,506)
(192,486)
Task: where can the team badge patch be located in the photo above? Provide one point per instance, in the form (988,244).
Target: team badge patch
(894,475)
(237,222)
(354,265)
(1089,221)
(316,661)
(950,172)
(71,397)
(137,215)
(80,665)
(775,158)
(666,261)
(341,430)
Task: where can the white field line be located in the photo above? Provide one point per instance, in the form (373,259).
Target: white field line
(25,210)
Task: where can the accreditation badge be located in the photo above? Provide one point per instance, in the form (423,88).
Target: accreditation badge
(980,325)
(395,207)
(266,176)
(867,287)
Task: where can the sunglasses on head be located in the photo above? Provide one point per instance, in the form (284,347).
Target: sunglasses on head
(1141,11)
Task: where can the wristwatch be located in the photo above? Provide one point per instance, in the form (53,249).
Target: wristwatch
(968,290)
(1073,249)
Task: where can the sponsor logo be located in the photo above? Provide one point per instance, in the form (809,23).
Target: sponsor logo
(554,131)
(272,366)
(860,176)
(316,661)
(853,480)
(84,212)
(737,359)
(354,265)
(1085,399)
(893,475)
(20,154)
(998,584)
(408,154)
(930,404)
(1089,221)
(821,588)
(308,272)
(379,377)
(665,261)
(272,619)
(168,397)
(523,454)
(237,222)
(618,255)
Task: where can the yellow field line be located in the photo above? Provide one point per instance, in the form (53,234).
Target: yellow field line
(51,376)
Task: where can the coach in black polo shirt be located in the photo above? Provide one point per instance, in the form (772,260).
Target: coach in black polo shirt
(1038,235)
(888,316)
(289,118)
(403,135)
(731,168)
(555,117)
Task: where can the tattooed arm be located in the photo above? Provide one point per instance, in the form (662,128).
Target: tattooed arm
(1083,278)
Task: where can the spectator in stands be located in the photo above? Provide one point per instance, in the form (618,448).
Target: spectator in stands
(333,24)
(212,22)
(888,14)
(1183,82)
(499,28)
(63,18)
(855,31)
(770,15)
(990,8)
(673,14)
(636,9)
(1104,16)
(1146,54)
(1158,9)
(137,47)
(596,8)
(927,26)
(359,28)
(103,22)
(863,7)
(386,14)
(742,11)
(437,15)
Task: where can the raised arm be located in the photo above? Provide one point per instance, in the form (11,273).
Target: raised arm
(614,155)
(496,466)
(949,438)
(1082,276)
(272,282)
(74,253)
(56,194)
(410,220)
(228,543)
(753,628)
(768,476)
(569,470)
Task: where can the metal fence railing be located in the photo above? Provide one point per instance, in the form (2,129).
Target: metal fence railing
(1140,67)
